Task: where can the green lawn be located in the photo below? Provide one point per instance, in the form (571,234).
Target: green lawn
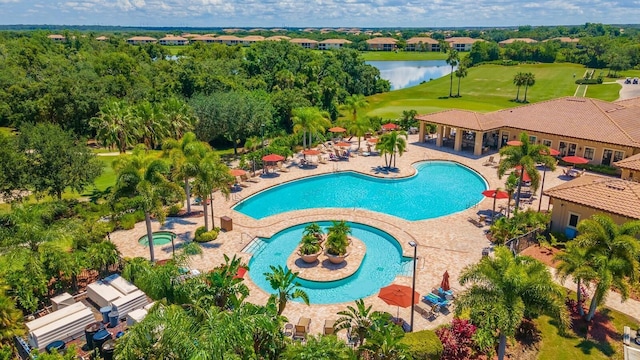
(402,55)
(486,88)
(607,92)
(573,346)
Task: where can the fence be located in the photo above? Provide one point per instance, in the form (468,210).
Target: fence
(520,243)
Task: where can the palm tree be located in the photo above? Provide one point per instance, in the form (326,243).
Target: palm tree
(510,187)
(284,282)
(102,255)
(519,80)
(186,155)
(212,175)
(179,117)
(354,103)
(10,317)
(115,126)
(309,120)
(360,320)
(573,262)
(612,252)
(452,60)
(135,268)
(392,143)
(152,124)
(461,72)
(359,128)
(502,290)
(529,80)
(385,343)
(526,156)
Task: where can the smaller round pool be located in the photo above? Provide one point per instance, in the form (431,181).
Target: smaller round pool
(159,238)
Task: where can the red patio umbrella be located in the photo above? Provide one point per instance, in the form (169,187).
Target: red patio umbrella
(389,126)
(311,152)
(240,273)
(237,172)
(495,194)
(272,158)
(514,143)
(552,152)
(575,159)
(337,129)
(372,140)
(343,144)
(398,295)
(444,284)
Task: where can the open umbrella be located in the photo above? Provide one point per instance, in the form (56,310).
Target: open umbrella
(372,140)
(552,152)
(525,176)
(272,158)
(343,144)
(398,295)
(389,126)
(237,172)
(575,160)
(337,129)
(495,194)
(444,284)
(311,152)
(514,143)
(240,273)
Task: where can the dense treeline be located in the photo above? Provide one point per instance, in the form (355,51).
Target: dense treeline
(69,83)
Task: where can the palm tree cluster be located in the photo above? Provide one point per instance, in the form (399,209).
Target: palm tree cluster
(391,144)
(604,254)
(523,79)
(122,125)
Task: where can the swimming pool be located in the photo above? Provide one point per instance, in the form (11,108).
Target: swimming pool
(438,188)
(381,264)
(159,238)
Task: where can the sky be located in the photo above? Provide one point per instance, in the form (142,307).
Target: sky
(318,13)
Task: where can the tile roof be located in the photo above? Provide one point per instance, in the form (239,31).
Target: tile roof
(277,38)
(511,41)
(631,163)
(382,40)
(461,40)
(424,40)
(564,39)
(253,38)
(102,38)
(173,38)
(616,196)
(335,41)
(228,38)
(580,118)
(142,38)
(203,38)
(303,41)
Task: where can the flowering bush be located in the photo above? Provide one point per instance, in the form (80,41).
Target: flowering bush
(457,339)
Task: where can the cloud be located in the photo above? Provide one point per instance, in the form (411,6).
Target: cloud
(295,13)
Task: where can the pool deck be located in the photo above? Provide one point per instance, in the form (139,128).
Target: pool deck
(447,243)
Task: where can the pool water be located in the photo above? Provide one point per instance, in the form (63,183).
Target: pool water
(381,264)
(439,188)
(159,238)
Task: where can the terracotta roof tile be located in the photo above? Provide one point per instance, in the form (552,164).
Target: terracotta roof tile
(631,163)
(462,40)
(611,195)
(511,41)
(424,40)
(303,41)
(335,41)
(382,40)
(457,118)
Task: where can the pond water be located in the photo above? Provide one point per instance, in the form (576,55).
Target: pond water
(404,74)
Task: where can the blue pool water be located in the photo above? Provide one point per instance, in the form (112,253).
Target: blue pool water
(379,267)
(439,188)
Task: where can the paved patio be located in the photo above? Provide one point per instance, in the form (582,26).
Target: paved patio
(444,244)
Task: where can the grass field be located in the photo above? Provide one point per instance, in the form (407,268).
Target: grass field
(574,346)
(486,88)
(608,92)
(402,55)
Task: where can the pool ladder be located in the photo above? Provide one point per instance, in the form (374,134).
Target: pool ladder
(255,246)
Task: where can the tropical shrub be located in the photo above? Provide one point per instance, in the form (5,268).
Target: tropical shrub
(423,345)
(309,245)
(338,239)
(522,222)
(202,235)
(457,339)
(174,210)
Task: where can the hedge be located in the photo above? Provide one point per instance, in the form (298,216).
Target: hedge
(203,236)
(423,345)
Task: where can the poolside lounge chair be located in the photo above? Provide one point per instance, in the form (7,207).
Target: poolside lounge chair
(475,222)
(489,162)
(282,168)
(329,327)
(253,179)
(302,328)
(427,314)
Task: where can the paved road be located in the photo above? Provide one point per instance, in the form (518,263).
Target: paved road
(628,90)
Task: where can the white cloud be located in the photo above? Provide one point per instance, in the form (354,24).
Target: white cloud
(360,13)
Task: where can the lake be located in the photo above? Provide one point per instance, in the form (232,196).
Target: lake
(404,74)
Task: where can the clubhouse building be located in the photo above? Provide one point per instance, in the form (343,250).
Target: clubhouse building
(603,132)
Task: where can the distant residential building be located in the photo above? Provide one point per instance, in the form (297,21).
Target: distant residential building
(564,39)
(190,36)
(203,39)
(173,40)
(102,38)
(248,40)
(332,44)
(422,44)
(231,31)
(511,41)
(382,44)
(256,30)
(57,38)
(277,38)
(305,43)
(228,40)
(137,40)
(462,43)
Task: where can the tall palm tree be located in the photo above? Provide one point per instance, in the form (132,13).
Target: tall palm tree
(354,103)
(10,317)
(573,262)
(529,80)
(102,255)
(186,155)
(284,282)
(526,156)
(309,120)
(392,143)
(359,128)
(503,289)
(152,124)
(453,59)
(461,72)
(519,80)
(115,126)
(179,117)
(212,175)
(612,252)
(360,320)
